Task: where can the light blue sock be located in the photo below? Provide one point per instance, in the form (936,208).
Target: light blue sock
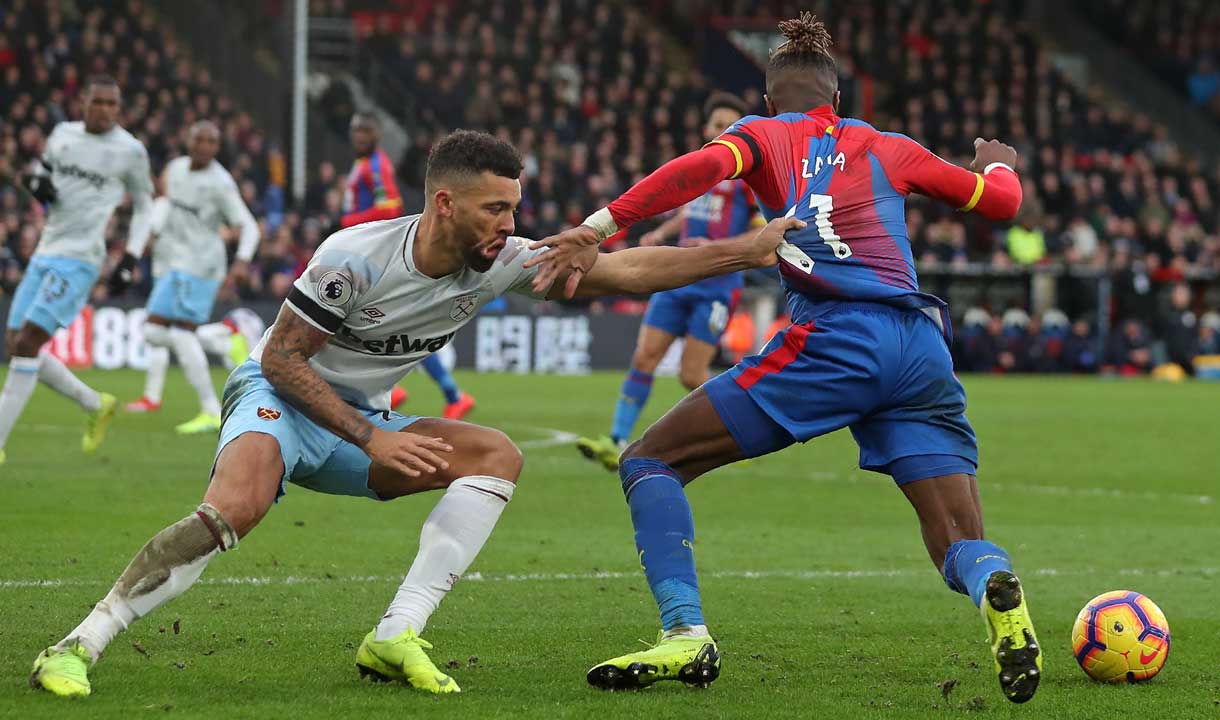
(664,539)
(442,377)
(631,400)
(968,565)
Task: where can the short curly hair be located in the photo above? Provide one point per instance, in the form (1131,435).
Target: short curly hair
(469,153)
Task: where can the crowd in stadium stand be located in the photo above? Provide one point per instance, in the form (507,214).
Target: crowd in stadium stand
(595,97)
(49,49)
(1179,40)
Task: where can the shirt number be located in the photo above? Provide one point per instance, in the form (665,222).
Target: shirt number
(824,204)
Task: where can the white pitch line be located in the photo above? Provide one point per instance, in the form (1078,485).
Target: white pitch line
(634,575)
(1063,490)
(554,438)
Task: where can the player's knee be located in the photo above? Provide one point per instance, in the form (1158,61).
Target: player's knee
(646,448)
(246,480)
(645,360)
(691,379)
(499,456)
(156,334)
(29,341)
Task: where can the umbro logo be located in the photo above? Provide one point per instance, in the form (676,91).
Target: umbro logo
(373,315)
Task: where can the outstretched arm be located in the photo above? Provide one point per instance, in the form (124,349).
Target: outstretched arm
(643,270)
(677,182)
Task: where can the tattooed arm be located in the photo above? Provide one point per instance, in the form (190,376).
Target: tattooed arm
(285,364)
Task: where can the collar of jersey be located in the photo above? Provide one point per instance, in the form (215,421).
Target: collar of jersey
(823,111)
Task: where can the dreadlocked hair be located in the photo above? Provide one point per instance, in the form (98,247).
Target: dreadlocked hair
(808,45)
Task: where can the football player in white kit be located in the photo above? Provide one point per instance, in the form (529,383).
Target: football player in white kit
(311,406)
(92,164)
(201,197)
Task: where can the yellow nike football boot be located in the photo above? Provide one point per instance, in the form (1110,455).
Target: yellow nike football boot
(692,660)
(239,349)
(98,422)
(62,671)
(402,659)
(201,423)
(1018,659)
(602,450)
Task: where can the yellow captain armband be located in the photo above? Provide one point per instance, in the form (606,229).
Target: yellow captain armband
(978,193)
(736,155)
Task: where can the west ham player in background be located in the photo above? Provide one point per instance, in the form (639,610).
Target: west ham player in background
(200,196)
(92,164)
(311,406)
(867,350)
(373,195)
(698,313)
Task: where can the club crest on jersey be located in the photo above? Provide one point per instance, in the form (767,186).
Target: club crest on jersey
(463,307)
(268,414)
(334,288)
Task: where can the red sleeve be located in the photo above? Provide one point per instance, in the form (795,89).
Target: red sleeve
(994,193)
(374,213)
(675,183)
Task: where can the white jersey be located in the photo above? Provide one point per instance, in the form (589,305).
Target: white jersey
(91,173)
(385,316)
(199,203)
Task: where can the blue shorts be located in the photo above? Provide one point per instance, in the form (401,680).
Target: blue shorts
(313,456)
(685,313)
(52,292)
(883,372)
(182,297)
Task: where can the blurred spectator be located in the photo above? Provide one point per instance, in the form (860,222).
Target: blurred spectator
(1130,351)
(1181,327)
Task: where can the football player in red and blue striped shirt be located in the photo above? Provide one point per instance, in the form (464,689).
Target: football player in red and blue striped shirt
(867,350)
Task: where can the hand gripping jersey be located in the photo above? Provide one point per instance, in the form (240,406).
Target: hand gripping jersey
(384,316)
(198,203)
(91,174)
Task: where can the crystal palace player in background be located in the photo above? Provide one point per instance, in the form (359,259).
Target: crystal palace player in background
(867,350)
(85,171)
(373,195)
(699,313)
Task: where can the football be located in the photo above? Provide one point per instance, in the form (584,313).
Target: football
(1121,636)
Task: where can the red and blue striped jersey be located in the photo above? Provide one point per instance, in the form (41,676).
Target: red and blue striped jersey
(848,181)
(723,212)
(371,192)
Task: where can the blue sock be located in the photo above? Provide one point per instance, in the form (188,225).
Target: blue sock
(443,378)
(969,563)
(631,400)
(664,538)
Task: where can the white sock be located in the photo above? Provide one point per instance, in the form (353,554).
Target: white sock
(686,631)
(154,380)
(59,378)
(18,387)
(115,613)
(168,564)
(215,338)
(195,365)
(451,538)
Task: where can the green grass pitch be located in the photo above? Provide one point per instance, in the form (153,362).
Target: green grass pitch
(814,578)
